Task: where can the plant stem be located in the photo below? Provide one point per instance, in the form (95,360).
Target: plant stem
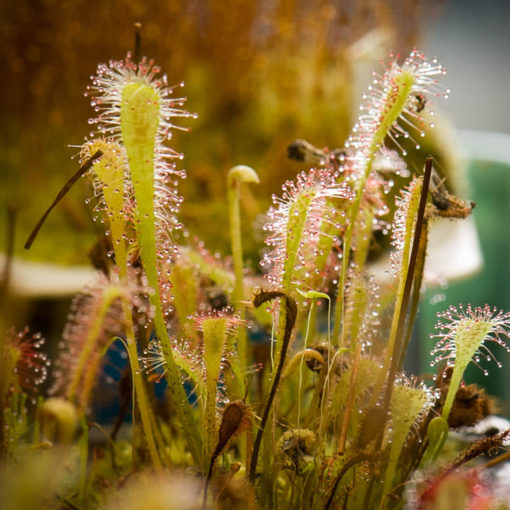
(141,396)
(67,186)
(350,399)
(237,255)
(84,452)
(455,381)
(348,465)
(494,462)
(310,326)
(291,312)
(418,278)
(137,52)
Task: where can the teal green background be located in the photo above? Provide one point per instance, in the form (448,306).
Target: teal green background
(490,187)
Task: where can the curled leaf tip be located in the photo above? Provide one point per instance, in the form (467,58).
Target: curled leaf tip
(242,173)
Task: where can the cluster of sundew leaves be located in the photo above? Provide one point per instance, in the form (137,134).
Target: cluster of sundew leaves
(296,221)
(389,109)
(135,110)
(215,328)
(367,145)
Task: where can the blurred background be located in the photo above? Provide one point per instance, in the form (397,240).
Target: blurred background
(473,41)
(260,74)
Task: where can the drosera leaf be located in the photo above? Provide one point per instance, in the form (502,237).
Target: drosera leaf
(403,232)
(139,118)
(93,322)
(215,332)
(410,402)
(108,183)
(437,432)
(135,108)
(295,226)
(462,336)
(185,293)
(218,327)
(389,110)
(358,299)
(368,371)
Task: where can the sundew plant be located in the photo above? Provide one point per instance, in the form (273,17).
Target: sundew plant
(317,415)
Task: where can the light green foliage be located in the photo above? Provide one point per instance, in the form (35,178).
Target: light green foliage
(312,294)
(411,211)
(359,297)
(408,211)
(58,420)
(242,173)
(214,331)
(295,228)
(110,169)
(393,106)
(437,432)
(309,420)
(15,420)
(469,335)
(139,120)
(8,359)
(408,404)
(185,291)
(395,103)
(236,176)
(368,372)
(36,476)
